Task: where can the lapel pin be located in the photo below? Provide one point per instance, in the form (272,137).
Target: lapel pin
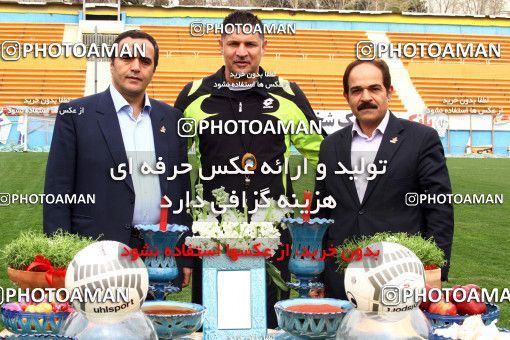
(163,129)
(394,140)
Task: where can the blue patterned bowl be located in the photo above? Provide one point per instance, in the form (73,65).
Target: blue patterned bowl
(439,320)
(310,325)
(170,326)
(20,322)
(38,337)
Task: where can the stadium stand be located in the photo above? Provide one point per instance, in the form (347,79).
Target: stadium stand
(42,78)
(31,33)
(336,44)
(323,91)
(314,57)
(439,85)
(442,39)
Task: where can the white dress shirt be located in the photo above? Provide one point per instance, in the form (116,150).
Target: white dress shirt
(364,147)
(139,143)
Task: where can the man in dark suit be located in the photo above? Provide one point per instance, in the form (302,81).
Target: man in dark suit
(94,135)
(414,160)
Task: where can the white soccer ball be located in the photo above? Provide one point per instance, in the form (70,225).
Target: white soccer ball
(110,285)
(383,283)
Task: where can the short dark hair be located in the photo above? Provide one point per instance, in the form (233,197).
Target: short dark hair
(379,63)
(137,34)
(243,17)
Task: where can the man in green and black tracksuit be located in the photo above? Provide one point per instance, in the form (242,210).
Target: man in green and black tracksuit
(230,95)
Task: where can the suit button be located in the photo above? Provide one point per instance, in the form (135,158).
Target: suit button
(361,212)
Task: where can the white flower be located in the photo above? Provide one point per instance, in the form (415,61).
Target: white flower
(274,213)
(234,229)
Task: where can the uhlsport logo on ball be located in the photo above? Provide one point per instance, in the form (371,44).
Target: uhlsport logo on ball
(101,269)
(376,283)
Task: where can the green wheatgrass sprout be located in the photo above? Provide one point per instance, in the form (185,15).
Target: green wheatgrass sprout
(425,249)
(59,249)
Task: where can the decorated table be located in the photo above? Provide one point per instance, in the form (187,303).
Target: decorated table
(234,250)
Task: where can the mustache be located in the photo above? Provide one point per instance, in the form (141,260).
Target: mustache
(366,105)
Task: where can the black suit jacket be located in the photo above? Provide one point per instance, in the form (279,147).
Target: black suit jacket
(83,150)
(416,164)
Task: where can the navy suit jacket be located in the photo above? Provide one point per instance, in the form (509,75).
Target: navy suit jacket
(416,164)
(83,150)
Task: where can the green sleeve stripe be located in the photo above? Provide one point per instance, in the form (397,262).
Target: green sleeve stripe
(196,84)
(285,84)
(308,144)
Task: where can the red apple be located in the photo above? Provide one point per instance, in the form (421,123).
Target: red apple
(442,307)
(61,307)
(471,308)
(455,291)
(473,286)
(473,303)
(424,305)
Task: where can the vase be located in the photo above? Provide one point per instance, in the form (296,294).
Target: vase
(306,236)
(433,277)
(234,293)
(161,269)
(28,279)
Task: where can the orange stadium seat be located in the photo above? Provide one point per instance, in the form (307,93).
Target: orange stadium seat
(323,91)
(309,43)
(442,39)
(38,78)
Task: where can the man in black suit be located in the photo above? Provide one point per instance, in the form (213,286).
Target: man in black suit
(94,135)
(414,160)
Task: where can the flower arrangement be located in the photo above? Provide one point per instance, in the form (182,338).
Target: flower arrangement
(232,227)
(237,229)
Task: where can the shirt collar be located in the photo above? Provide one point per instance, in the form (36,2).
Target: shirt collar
(120,102)
(381,127)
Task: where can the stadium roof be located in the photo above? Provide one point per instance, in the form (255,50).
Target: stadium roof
(291,11)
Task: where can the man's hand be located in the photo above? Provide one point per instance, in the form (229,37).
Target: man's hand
(186,273)
(317,293)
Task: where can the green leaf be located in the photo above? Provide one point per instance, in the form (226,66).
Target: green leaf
(275,275)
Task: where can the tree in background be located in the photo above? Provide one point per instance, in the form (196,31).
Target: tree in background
(466,7)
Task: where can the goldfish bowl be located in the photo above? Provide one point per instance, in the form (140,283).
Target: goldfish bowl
(438,320)
(21,322)
(312,319)
(174,319)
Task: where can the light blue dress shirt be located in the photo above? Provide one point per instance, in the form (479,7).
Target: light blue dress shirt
(364,147)
(139,143)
